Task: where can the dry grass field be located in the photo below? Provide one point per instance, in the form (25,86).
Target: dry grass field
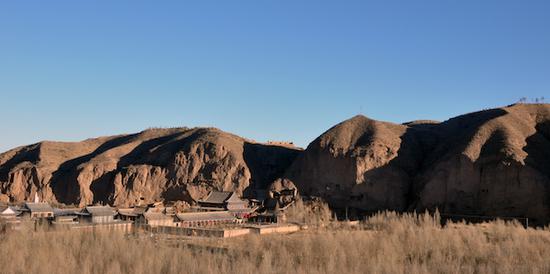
(386,243)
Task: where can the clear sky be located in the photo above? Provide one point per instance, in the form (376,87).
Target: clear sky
(266,70)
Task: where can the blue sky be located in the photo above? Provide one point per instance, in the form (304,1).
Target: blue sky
(266,70)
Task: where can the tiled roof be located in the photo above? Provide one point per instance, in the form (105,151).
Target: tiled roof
(235,199)
(205,216)
(65,211)
(156,216)
(100,210)
(39,207)
(65,217)
(217,197)
(135,211)
(8,211)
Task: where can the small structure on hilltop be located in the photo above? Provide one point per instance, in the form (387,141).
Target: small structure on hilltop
(281,143)
(98,214)
(38,210)
(223,200)
(201,219)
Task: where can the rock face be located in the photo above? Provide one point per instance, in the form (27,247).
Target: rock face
(158,164)
(356,163)
(494,162)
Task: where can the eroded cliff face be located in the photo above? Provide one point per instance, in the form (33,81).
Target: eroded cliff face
(357,163)
(160,164)
(494,162)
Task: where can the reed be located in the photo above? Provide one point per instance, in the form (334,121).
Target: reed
(386,243)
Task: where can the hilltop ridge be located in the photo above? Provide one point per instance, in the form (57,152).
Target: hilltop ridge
(155,164)
(493,162)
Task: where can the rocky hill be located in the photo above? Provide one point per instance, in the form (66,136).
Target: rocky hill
(494,162)
(157,164)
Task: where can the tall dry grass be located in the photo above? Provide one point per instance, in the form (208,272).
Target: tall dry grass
(386,243)
(316,213)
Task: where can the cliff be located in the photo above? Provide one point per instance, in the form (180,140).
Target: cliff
(494,162)
(157,164)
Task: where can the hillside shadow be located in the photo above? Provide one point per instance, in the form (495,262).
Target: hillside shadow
(422,145)
(266,163)
(538,157)
(381,181)
(164,146)
(451,138)
(177,193)
(24,155)
(64,181)
(454,134)
(102,188)
(538,149)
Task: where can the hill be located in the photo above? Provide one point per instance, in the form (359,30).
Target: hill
(494,162)
(157,164)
